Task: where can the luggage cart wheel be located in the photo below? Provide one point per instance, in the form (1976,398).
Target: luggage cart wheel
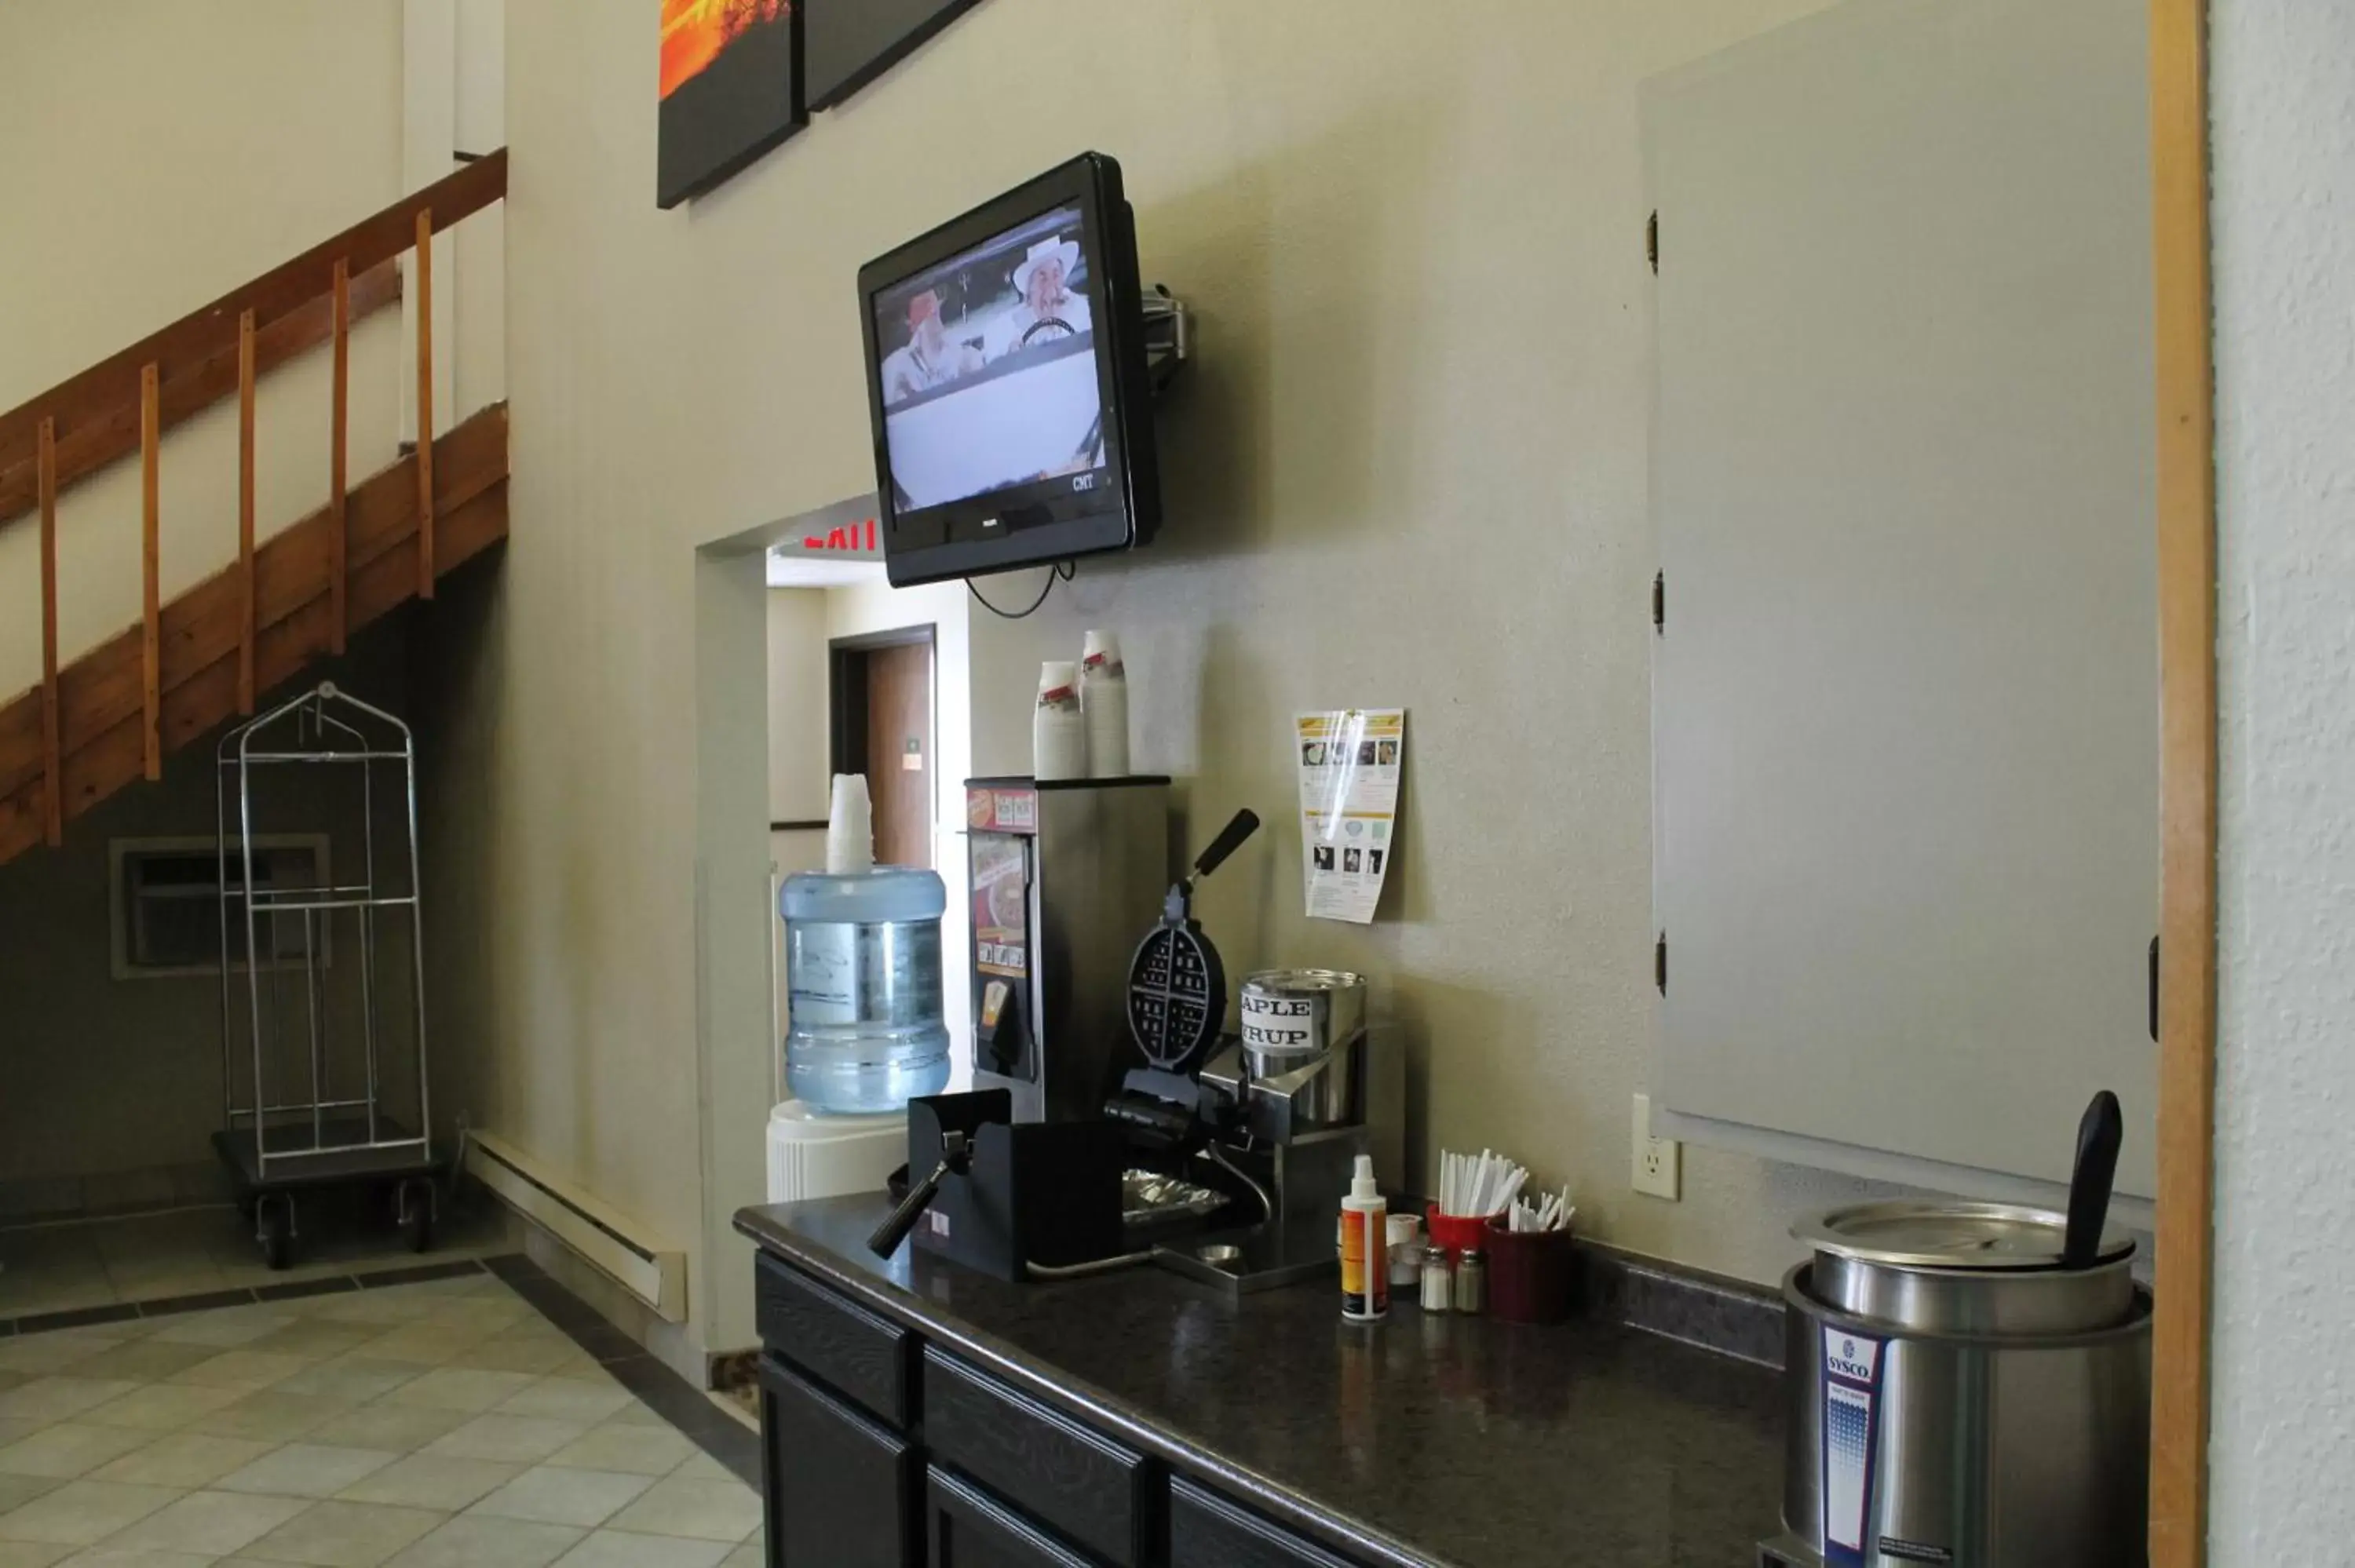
(416,1197)
(273,1222)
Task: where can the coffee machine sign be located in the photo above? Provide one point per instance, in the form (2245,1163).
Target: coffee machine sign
(1851,1386)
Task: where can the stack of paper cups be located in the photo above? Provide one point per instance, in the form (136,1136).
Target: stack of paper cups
(1103,699)
(850,828)
(1059,737)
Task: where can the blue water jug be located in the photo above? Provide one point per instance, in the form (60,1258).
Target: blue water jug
(864,1027)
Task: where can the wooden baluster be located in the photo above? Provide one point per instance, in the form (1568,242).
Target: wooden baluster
(52,767)
(151,472)
(336,477)
(425,404)
(247,622)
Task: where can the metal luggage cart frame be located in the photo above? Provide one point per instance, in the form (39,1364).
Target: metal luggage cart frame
(279,1145)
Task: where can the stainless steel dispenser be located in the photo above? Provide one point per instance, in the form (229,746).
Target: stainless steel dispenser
(1062,872)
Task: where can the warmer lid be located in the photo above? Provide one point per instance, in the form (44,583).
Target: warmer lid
(1949,1234)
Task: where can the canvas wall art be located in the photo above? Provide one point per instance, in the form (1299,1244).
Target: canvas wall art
(732,89)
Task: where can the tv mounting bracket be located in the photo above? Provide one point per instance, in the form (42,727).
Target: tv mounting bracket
(1169,335)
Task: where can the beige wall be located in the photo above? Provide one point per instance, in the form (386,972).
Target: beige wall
(159,152)
(798,780)
(1409,467)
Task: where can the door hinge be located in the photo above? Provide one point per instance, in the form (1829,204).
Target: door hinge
(1661,964)
(1652,242)
(1659,601)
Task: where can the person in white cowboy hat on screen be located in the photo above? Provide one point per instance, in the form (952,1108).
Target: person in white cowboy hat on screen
(1049,312)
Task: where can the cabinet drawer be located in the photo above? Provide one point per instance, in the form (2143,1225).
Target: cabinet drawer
(842,1490)
(1102,1496)
(966,1528)
(1206,1530)
(835,1340)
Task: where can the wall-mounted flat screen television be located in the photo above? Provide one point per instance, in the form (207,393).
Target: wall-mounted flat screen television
(1006,379)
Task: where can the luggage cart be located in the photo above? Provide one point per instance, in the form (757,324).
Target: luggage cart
(322,967)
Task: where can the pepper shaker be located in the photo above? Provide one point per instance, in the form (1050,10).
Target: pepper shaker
(1471,1282)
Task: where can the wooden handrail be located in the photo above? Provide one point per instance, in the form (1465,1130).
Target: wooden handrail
(108,393)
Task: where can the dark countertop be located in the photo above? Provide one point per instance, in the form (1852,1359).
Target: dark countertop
(1443,1442)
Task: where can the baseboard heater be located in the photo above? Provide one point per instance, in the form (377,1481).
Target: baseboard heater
(613,1245)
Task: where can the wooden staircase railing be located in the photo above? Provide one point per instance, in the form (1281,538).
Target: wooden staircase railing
(92,727)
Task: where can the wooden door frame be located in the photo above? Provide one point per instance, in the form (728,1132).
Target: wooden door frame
(2187,682)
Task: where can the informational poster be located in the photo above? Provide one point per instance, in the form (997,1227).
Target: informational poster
(1350,763)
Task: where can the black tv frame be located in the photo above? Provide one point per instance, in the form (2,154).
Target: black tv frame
(1045,520)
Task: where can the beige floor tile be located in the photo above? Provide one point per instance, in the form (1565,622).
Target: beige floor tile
(527,1439)
(143,1361)
(17,1429)
(183,1459)
(451,1388)
(426,1480)
(637,1450)
(536,1353)
(82,1512)
(708,1510)
(43,1354)
(209,1524)
(30,1554)
(384,1309)
(637,1415)
(306,1470)
(350,1377)
(619,1549)
(479,1541)
(556,1496)
(272,1416)
(225,1329)
(106,1556)
(344,1535)
(17,1490)
(47,1399)
(9,1380)
(161,1406)
(568,1399)
(701,1466)
(68,1449)
(307,1338)
(751,1554)
(395,1428)
(245,1368)
(426,1343)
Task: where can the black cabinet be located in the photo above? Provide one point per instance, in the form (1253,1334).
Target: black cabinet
(1206,1530)
(841,1489)
(1100,1493)
(835,1341)
(965,1526)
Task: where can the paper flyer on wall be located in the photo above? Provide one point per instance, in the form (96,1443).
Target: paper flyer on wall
(1350,763)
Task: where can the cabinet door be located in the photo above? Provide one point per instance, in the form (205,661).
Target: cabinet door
(1905,696)
(968,1528)
(1206,1530)
(841,1489)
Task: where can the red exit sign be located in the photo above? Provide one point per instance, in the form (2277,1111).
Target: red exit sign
(858,536)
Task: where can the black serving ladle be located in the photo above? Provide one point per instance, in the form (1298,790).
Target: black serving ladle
(2099,1134)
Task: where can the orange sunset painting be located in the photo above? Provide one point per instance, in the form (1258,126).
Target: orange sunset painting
(694,32)
(730,81)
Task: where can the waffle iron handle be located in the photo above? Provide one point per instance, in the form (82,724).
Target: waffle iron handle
(1231,839)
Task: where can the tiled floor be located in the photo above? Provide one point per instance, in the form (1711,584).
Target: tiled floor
(98,1262)
(458,1423)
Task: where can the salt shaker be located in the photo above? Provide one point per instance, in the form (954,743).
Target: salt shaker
(1438,1286)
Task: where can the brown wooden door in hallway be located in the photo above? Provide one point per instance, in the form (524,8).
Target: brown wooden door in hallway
(899,760)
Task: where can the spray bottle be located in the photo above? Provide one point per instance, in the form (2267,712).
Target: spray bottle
(1365,1249)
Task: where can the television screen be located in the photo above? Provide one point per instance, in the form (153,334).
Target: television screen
(989,372)
(1005,376)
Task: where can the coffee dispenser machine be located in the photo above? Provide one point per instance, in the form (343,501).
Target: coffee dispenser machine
(1063,871)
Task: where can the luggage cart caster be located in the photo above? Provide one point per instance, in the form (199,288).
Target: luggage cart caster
(417,1199)
(273,1227)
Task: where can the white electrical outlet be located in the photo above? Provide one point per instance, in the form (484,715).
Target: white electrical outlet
(1660,1162)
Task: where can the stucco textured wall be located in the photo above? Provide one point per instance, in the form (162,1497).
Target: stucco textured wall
(2284,1445)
